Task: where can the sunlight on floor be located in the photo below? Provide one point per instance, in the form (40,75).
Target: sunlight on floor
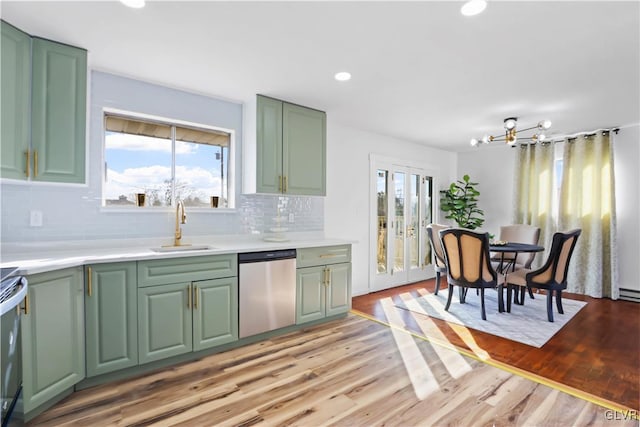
(464,334)
(452,360)
(422,379)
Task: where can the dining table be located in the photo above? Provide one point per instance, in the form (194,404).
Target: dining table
(513,249)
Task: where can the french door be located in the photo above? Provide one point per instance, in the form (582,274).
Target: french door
(401,210)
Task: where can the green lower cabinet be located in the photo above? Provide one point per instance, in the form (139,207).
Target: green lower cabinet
(111,317)
(215,312)
(52,336)
(164,321)
(322,291)
(338,298)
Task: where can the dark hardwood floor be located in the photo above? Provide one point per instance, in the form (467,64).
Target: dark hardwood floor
(597,352)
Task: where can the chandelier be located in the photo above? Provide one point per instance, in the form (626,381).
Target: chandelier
(511,133)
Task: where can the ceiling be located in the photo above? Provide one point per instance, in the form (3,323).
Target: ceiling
(422,72)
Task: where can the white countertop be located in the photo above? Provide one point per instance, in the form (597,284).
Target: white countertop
(33,258)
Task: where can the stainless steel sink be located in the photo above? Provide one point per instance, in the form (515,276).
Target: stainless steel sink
(182,248)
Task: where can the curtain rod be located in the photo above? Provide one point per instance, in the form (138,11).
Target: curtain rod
(559,138)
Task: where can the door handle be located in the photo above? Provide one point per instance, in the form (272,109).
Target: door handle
(189,296)
(89,282)
(28,155)
(280,183)
(285,184)
(35,163)
(195,297)
(25,309)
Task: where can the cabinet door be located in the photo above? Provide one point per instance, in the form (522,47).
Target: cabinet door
(269,145)
(164,321)
(215,312)
(15,93)
(339,289)
(111,317)
(304,150)
(310,294)
(52,336)
(58,111)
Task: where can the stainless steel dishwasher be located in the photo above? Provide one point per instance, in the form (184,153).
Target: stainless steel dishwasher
(267,288)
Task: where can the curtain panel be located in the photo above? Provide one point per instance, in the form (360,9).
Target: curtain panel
(587,201)
(534,192)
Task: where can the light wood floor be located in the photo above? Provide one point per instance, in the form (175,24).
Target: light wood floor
(352,371)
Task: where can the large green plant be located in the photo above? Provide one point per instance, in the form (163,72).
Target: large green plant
(460,202)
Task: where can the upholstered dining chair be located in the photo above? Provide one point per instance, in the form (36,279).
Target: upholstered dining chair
(433,231)
(518,233)
(468,264)
(552,276)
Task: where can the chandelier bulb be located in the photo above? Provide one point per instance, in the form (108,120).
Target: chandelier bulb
(485,139)
(510,123)
(544,124)
(474,142)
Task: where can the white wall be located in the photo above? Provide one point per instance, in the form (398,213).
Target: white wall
(493,168)
(626,152)
(347,202)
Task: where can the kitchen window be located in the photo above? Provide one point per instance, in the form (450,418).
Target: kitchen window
(154,163)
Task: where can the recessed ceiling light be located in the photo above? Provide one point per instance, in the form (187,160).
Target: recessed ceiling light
(342,76)
(473,7)
(136,4)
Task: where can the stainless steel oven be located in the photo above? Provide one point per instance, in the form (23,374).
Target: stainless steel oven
(13,290)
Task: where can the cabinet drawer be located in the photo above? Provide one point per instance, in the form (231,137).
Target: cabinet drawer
(188,269)
(308,257)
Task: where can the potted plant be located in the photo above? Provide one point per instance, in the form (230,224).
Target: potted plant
(460,202)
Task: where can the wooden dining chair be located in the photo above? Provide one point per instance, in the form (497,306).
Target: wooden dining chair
(440,266)
(552,276)
(518,233)
(469,265)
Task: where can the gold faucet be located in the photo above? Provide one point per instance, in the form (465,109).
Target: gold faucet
(181,218)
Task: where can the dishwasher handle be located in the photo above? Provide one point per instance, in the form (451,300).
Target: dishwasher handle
(266,256)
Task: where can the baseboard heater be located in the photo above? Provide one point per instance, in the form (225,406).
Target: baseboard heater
(629,295)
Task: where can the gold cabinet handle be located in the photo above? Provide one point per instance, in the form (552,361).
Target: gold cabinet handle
(195,297)
(26,304)
(329,255)
(279,182)
(189,296)
(89,282)
(285,185)
(328,277)
(28,155)
(35,163)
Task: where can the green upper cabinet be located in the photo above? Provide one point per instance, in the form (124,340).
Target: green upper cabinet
(58,111)
(304,150)
(291,148)
(111,317)
(269,145)
(52,336)
(16,90)
(44,103)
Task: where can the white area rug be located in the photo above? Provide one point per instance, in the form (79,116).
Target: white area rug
(526,323)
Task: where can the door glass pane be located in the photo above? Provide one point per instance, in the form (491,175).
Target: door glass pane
(427,217)
(398,259)
(413,229)
(382,179)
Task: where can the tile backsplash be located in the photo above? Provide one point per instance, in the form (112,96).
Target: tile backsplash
(74,213)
